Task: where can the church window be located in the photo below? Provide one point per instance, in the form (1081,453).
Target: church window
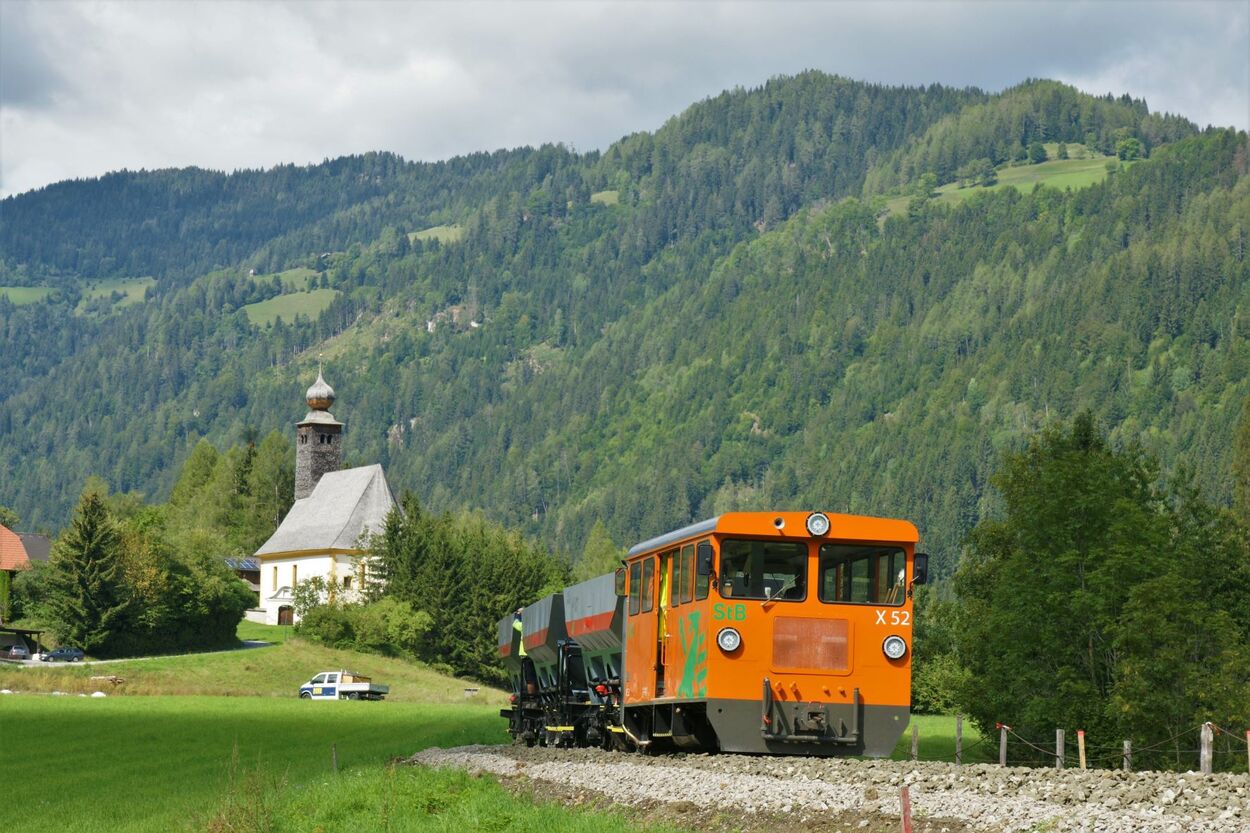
(347,582)
(294,575)
(275,578)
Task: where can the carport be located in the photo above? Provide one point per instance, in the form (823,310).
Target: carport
(20,636)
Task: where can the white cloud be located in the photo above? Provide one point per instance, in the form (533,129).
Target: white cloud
(87,88)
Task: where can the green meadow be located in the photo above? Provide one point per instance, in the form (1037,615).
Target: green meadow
(132,291)
(273,672)
(286,307)
(294,280)
(1081,171)
(936,741)
(22,295)
(605,197)
(222,743)
(443,234)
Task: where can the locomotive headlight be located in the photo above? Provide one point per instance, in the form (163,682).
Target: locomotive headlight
(817,524)
(894,647)
(729,640)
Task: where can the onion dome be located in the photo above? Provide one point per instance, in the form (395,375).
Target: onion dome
(320,396)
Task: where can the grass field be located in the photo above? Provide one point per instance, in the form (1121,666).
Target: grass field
(937,741)
(165,763)
(605,197)
(443,234)
(275,672)
(1056,173)
(263,633)
(21,295)
(132,290)
(286,307)
(293,280)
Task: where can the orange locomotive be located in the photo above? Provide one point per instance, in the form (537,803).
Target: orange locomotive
(778,633)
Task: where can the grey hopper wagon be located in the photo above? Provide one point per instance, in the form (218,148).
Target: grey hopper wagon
(594,616)
(543,630)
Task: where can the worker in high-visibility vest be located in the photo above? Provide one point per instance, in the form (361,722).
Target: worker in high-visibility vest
(519,628)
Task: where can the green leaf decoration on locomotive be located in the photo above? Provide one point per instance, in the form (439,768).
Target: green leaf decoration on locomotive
(694,674)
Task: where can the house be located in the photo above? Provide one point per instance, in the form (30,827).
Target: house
(248,571)
(17,551)
(336,509)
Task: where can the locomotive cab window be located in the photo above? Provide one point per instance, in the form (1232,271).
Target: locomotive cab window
(686,584)
(857,574)
(648,585)
(763,570)
(635,587)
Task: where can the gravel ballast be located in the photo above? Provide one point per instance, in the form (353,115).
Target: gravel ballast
(814,792)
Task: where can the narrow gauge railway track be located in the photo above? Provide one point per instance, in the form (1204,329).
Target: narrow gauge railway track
(758,793)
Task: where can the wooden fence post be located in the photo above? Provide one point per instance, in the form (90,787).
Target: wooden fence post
(905,799)
(1080,743)
(1002,744)
(915,742)
(1128,756)
(959,739)
(1248,750)
(1059,749)
(1204,754)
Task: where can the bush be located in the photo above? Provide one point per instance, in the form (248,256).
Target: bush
(330,625)
(389,626)
(936,685)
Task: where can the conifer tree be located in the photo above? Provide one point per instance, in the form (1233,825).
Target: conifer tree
(600,555)
(1241,466)
(89,598)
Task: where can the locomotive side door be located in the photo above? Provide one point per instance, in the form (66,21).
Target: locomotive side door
(641,631)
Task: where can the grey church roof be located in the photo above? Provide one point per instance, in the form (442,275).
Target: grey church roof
(345,505)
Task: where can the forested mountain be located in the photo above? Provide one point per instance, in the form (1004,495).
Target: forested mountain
(716,315)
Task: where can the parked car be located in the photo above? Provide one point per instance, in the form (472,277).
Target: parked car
(63,655)
(18,652)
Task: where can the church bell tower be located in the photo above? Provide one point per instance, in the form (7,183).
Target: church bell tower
(318,439)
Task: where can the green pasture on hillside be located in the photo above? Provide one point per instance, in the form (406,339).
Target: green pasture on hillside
(294,280)
(443,234)
(1056,173)
(605,197)
(132,290)
(309,304)
(21,295)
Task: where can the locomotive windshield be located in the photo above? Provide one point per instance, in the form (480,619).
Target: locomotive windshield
(851,574)
(763,570)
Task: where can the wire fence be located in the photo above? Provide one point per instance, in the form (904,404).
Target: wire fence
(1199,747)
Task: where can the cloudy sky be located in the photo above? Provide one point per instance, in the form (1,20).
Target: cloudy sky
(87,88)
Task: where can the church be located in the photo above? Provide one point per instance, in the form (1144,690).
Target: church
(335,510)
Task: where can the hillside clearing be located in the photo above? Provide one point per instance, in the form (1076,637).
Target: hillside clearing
(443,234)
(1063,174)
(22,295)
(605,198)
(308,304)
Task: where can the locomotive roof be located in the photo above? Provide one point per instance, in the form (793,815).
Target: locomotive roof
(843,527)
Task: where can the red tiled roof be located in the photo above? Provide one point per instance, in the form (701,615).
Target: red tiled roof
(12,553)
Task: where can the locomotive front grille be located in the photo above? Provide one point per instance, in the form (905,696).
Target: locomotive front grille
(811,644)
